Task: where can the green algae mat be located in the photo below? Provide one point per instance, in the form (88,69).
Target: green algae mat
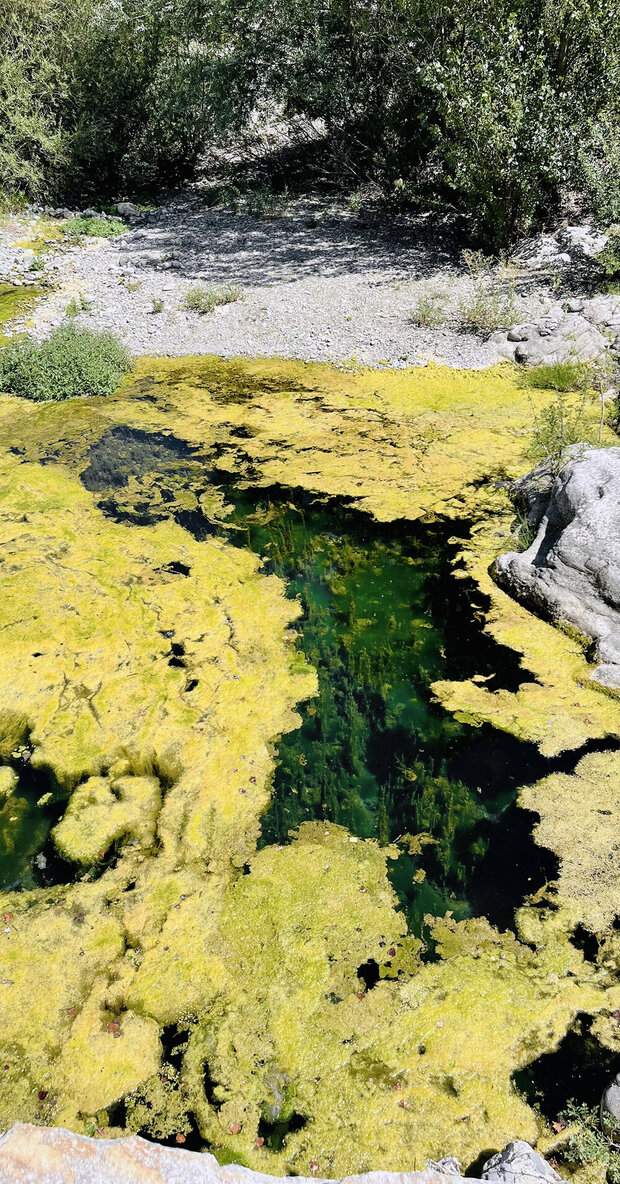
(307,841)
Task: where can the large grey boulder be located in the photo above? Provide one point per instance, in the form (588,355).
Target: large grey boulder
(518,1164)
(50,1155)
(571,572)
(556,337)
(582,242)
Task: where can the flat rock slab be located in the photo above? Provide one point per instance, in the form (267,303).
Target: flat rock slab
(571,572)
(40,1155)
(51,1155)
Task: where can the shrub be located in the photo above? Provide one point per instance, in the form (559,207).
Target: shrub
(95,227)
(71,361)
(563,422)
(429,310)
(203,300)
(490,304)
(588,1145)
(609,257)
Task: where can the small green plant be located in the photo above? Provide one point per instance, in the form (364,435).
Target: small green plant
(94,227)
(37,264)
(71,361)
(490,303)
(158,305)
(263,202)
(76,305)
(563,422)
(588,1145)
(203,300)
(609,257)
(429,310)
(523,532)
(354,201)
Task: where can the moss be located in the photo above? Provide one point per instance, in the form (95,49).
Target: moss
(42,234)
(15,302)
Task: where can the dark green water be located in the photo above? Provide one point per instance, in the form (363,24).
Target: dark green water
(383,618)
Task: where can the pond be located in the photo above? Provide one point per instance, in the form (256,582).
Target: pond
(241,836)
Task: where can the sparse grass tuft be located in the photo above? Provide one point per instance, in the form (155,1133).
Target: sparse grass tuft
(76,305)
(203,300)
(158,305)
(429,310)
(95,227)
(71,361)
(556,376)
(490,304)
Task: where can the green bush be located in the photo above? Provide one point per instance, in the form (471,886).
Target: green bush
(588,1146)
(71,361)
(493,109)
(609,257)
(563,422)
(95,227)
(203,300)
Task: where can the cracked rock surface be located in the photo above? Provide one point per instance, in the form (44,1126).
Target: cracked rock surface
(571,570)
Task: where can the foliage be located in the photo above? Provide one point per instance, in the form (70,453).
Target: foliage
(490,302)
(587,1144)
(429,310)
(69,362)
(95,227)
(33,87)
(492,109)
(556,376)
(202,300)
(565,421)
(609,257)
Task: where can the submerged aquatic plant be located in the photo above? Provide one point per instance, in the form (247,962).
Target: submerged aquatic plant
(71,361)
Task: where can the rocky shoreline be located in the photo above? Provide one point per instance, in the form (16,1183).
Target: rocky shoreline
(316,283)
(44,1155)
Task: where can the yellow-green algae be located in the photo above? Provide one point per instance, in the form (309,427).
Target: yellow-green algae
(562,709)
(15,302)
(579,821)
(261,968)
